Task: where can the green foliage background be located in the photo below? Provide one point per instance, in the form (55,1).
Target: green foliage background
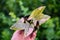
(12,10)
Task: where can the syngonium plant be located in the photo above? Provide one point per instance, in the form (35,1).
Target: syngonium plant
(33,21)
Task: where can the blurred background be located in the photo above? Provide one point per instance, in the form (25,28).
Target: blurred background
(12,10)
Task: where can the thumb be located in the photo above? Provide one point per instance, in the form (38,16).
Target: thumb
(18,35)
(33,35)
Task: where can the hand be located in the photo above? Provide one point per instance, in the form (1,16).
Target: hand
(19,35)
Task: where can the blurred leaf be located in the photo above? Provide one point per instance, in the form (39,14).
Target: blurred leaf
(6,34)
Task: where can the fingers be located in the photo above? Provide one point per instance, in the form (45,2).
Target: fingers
(33,36)
(18,35)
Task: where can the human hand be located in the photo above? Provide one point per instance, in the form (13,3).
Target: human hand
(19,35)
